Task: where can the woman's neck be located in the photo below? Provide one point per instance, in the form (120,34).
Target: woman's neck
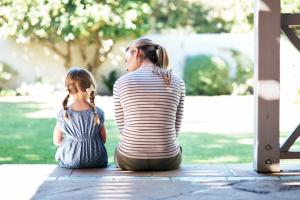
(146,63)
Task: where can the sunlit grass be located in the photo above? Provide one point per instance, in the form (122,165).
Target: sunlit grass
(29,140)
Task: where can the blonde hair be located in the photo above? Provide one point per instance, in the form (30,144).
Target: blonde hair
(79,79)
(157,54)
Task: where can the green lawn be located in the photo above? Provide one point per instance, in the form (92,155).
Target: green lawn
(24,139)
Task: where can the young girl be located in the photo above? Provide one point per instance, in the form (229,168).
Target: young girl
(79,132)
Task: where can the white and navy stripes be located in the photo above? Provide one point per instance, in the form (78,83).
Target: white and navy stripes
(148,113)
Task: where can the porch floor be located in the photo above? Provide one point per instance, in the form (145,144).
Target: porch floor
(198,181)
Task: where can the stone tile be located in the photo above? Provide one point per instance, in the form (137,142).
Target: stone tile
(245,170)
(99,189)
(199,179)
(114,178)
(263,186)
(51,178)
(289,170)
(59,171)
(110,171)
(290,178)
(253,178)
(223,193)
(201,182)
(195,170)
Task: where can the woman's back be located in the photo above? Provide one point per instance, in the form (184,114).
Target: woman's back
(149,112)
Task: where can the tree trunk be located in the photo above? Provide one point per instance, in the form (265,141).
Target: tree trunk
(92,63)
(68,56)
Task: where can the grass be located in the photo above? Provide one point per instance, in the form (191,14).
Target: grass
(24,139)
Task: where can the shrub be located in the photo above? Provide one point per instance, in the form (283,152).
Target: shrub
(243,78)
(207,75)
(110,80)
(7,73)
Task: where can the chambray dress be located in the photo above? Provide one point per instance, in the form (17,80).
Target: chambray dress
(82,146)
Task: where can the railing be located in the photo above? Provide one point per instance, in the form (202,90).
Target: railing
(288,20)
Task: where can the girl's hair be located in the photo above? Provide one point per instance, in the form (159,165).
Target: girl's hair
(79,79)
(157,54)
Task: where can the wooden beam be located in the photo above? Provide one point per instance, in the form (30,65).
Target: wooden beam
(291,35)
(267,81)
(290,140)
(290,19)
(290,155)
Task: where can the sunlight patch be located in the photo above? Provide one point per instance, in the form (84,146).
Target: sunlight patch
(292,183)
(11,136)
(2,159)
(245,141)
(50,113)
(225,159)
(218,146)
(32,156)
(24,147)
(223,141)
(220,159)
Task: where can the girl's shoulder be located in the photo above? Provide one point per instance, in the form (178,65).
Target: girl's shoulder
(100,113)
(60,113)
(99,110)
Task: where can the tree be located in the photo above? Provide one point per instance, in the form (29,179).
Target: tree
(94,26)
(91,26)
(203,16)
(291,6)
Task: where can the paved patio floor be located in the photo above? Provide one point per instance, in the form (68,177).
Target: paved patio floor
(201,181)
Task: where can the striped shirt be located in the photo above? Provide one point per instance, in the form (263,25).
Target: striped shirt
(148,113)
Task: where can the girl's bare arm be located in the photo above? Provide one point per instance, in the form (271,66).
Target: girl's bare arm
(103,134)
(57,136)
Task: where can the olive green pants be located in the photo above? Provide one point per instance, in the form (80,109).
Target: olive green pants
(132,164)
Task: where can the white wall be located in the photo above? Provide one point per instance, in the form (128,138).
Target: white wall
(33,60)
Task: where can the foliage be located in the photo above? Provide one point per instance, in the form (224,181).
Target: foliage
(110,80)
(210,75)
(243,77)
(207,75)
(93,27)
(291,6)
(6,74)
(8,92)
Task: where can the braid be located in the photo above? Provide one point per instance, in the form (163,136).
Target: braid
(92,101)
(65,106)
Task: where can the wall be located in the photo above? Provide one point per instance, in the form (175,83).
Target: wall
(34,60)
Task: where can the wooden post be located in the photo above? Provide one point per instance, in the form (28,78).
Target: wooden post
(267,82)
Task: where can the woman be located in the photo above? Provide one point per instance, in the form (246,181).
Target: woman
(149,104)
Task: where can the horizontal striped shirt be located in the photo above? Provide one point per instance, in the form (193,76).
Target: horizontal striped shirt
(148,113)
